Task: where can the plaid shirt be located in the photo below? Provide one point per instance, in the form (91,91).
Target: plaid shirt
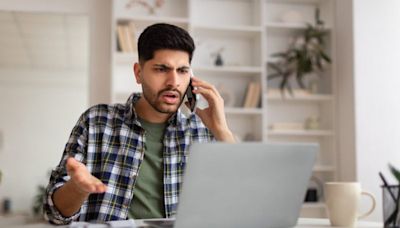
(109,140)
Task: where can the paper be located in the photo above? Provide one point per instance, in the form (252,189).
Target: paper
(120,223)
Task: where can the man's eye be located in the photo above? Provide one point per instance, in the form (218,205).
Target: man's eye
(183,71)
(161,69)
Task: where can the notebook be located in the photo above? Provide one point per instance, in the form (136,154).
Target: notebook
(243,185)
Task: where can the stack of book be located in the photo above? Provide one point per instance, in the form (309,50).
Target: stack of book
(126,37)
(253,95)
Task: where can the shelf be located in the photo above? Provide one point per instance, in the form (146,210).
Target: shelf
(311,2)
(300,133)
(285,25)
(232,31)
(302,98)
(243,111)
(154,19)
(228,69)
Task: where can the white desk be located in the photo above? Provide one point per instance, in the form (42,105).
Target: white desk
(23,222)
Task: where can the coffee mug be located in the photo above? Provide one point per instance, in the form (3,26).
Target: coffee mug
(342,199)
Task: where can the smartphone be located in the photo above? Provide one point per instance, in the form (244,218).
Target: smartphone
(191,97)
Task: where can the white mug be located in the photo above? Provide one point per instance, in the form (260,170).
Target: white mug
(342,199)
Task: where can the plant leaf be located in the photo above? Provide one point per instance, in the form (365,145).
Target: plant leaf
(395,172)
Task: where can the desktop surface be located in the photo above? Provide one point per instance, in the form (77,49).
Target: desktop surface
(19,221)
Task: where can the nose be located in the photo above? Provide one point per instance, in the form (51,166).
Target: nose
(173,79)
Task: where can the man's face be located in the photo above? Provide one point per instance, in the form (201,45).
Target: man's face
(164,79)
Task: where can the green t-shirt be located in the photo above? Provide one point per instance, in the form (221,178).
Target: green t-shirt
(148,198)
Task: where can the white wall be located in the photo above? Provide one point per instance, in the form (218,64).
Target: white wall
(99,13)
(377,93)
(38,110)
(33,108)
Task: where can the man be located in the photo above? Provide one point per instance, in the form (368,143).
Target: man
(127,160)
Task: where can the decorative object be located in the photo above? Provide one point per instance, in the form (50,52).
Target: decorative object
(218,57)
(151,8)
(315,190)
(305,55)
(311,123)
(7,206)
(313,86)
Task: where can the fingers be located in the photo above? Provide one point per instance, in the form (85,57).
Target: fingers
(208,90)
(72,164)
(82,178)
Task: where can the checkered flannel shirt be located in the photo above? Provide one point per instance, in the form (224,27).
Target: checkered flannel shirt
(109,140)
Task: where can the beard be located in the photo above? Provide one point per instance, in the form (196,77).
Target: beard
(155,101)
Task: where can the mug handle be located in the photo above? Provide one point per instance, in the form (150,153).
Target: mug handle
(373,205)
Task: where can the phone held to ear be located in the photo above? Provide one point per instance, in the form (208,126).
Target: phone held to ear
(195,100)
(191,97)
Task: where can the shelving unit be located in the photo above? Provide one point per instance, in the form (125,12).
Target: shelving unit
(248,32)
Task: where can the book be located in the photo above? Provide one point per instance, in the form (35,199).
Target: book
(255,99)
(253,93)
(133,34)
(122,38)
(249,95)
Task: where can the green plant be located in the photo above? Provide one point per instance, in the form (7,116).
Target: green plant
(305,55)
(38,200)
(395,172)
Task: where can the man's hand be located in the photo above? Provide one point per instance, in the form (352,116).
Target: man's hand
(69,198)
(82,179)
(213,116)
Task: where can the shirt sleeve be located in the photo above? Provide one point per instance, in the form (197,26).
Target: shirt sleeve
(201,132)
(76,147)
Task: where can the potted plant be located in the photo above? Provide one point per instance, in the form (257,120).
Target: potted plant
(391,199)
(37,207)
(305,55)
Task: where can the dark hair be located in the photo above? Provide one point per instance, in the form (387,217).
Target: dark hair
(164,36)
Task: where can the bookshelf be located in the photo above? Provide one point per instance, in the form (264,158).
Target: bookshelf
(246,34)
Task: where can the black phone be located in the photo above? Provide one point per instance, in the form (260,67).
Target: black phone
(191,96)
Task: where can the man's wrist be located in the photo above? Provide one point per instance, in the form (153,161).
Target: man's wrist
(225,136)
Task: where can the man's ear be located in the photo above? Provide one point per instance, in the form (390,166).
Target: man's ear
(138,73)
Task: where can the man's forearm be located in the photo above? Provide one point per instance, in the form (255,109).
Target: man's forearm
(68,199)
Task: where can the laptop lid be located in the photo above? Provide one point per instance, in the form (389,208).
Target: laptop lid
(245,184)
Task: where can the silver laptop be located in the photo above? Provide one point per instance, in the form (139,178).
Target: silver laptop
(244,185)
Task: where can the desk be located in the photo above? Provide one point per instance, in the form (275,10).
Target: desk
(21,222)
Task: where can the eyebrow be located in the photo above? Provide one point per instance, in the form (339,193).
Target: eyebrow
(170,68)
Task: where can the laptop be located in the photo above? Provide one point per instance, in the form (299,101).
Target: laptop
(243,185)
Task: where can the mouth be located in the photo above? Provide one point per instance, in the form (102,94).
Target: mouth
(170,97)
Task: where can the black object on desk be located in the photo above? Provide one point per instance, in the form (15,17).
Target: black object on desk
(7,206)
(311,195)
